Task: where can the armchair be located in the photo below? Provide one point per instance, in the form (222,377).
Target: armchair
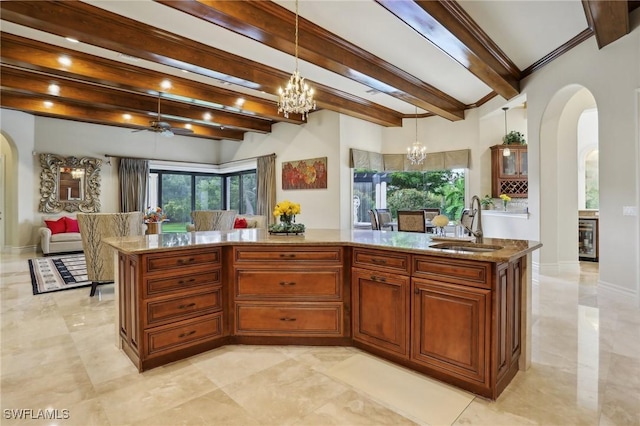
(94,227)
(213,220)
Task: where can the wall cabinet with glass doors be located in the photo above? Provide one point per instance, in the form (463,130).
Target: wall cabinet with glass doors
(509,174)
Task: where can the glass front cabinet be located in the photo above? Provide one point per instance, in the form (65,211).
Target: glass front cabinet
(588,239)
(509,174)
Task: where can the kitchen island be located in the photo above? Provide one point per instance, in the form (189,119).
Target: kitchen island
(456,311)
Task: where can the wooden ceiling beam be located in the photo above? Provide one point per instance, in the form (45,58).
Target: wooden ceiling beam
(42,57)
(128,102)
(98,27)
(445,24)
(63,108)
(609,19)
(270,24)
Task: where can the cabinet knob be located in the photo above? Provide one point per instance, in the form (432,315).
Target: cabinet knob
(416,290)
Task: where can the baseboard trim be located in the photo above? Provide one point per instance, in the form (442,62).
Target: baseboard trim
(617,293)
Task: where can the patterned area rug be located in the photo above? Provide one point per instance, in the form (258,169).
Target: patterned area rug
(58,273)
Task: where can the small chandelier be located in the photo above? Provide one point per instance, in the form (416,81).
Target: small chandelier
(297,97)
(417,152)
(506,151)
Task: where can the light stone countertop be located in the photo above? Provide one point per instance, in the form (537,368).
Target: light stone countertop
(408,242)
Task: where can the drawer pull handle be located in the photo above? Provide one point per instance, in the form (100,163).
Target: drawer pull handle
(379,261)
(190,305)
(287,319)
(289,255)
(187,281)
(185,261)
(416,291)
(287,284)
(183,335)
(381,279)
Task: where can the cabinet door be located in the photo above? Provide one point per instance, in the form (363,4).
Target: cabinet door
(509,164)
(128,295)
(451,329)
(381,310)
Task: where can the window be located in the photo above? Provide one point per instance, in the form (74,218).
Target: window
(180,192)
(443,189)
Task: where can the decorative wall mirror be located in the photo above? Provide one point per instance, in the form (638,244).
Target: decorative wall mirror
(69,183)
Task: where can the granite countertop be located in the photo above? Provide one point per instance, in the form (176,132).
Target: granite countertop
(410,242)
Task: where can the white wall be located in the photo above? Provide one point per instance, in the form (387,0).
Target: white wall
(612,75)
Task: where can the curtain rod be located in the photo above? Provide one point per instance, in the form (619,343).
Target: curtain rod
(191,162)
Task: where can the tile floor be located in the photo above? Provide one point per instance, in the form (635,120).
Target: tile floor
(58,353)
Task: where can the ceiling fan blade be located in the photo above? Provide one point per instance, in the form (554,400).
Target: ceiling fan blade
(181,131)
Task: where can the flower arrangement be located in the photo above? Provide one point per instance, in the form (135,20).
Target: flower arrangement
(440,221)
(505,199)
(154,214)
(286,211)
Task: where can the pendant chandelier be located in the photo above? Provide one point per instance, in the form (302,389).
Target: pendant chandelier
(297,96)
(506,151)
(417,152)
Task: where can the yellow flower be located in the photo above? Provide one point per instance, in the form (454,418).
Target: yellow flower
(505,197)
(286,207)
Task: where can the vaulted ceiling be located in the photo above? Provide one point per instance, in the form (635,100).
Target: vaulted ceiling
(377,60)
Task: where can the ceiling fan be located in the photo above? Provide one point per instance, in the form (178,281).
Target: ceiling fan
(164,128)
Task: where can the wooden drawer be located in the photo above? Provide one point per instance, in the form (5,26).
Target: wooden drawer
(288,254)
(172,337)
(180,308)
(315,284)
(382,260)
(181,259)
(160,286)
(453,271)
(289,319)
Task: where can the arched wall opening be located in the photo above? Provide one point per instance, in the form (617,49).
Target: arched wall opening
(559,200)
(8,197)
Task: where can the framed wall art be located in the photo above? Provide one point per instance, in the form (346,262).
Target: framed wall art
(305,174)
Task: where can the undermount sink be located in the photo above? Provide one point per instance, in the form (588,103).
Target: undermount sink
(466,247)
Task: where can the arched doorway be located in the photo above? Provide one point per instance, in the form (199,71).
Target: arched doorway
(559,184)
(8,192)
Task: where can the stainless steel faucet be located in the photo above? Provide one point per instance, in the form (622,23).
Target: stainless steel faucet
(468,216)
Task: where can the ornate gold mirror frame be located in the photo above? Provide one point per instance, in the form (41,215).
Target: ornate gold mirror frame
(69,183)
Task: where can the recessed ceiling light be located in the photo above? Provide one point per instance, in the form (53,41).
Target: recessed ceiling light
(126,116)
(240,101)
(64,60)
(165,84)
(54,89)
(187,126)
(207,116)
(48,104)
(72,40)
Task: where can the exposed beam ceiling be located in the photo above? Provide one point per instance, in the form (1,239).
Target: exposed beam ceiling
(217,52)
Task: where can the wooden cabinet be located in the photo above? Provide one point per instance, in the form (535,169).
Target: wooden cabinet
(451,319)
(380,299)
(509,174)
(288,291)
(170,304)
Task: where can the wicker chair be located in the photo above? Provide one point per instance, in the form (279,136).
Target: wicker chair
(94,227)
(384,219)
(213,220)
(411,221)
(430,214)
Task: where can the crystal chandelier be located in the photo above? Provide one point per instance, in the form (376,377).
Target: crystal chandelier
(506,151)
(297,97)
(416,153)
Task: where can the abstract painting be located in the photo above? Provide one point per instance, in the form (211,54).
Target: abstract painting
(305,174)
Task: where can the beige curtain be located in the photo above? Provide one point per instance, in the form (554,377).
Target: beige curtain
(134,177)
(266,186)
(445,160)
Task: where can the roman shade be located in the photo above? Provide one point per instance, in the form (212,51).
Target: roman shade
(445,160)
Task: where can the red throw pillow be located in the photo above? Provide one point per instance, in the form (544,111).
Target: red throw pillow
(71,224)
(240,222)
(56,226)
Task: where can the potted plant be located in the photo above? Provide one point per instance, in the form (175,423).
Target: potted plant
(514,138)
(487,202)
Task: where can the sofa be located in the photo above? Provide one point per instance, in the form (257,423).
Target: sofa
(60,234)
(239,221)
